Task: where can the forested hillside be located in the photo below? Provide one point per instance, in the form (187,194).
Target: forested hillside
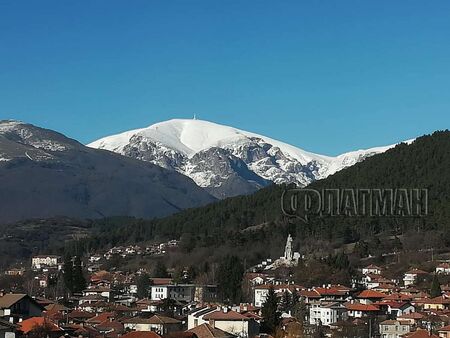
(254,226)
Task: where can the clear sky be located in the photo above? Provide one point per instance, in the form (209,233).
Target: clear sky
(327,76)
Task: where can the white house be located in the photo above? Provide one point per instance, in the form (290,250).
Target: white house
(95,258)
(45,261)
(157,323)
(327,313)
(371,269)
(359,310)
(411,276)
(443,268)
(396,309)
(98,291)
(260,294)
(195,316)
(180,292)
(233,322)
(394,328)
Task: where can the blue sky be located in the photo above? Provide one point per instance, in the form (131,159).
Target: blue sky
(327,76)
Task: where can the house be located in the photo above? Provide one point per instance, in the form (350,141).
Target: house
(149,305)
(327,313)
(443,268)
(333,292)
(15,272)
(232,322)
(260,291)
(411,276)
(45,261)
(358,310)
(178,292)
(207,331)
(110,328)
(7,329)
(420,333)
(444,332)
(77,316)
(309,296)
(395,309)
(394,328)
(95,258)
(413,318)
(104,292)
(370,296)
(15,307)
(371,269)
(437,303)
(141,334)
(205,293)
(30,324)
(195,316)
(157,323)
(372,281)
(259,294)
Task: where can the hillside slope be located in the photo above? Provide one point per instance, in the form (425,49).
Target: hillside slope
(45,174)
(254,225)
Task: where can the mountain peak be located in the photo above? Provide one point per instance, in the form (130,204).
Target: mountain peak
(188,146)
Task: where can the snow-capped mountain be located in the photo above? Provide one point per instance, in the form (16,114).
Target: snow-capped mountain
(225,160)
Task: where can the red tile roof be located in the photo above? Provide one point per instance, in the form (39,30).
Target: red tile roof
(309,294)
(361,307)
(161,281)
(78,314)
(445,329)
(392,304)
(420,334)
(412,315)
(398,297)
(444,265)
(438,300)
(371,294)
(29,324)
(330,291)
(207,331)
(229,315)
(101,317)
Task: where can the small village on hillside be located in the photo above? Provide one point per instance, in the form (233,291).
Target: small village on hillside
(112,303)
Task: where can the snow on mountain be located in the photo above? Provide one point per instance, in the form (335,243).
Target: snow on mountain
(225,160)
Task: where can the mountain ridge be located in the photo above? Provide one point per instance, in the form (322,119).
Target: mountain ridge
(45,174)
(177,145)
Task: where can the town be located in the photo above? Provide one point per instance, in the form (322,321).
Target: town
(133,304)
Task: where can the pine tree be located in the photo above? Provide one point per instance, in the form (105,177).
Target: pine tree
(79,283)
(229,275)
(286,301)
(68,273)
(300,310)
(435,290)
(270,313)
(160,270)
(143,285)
